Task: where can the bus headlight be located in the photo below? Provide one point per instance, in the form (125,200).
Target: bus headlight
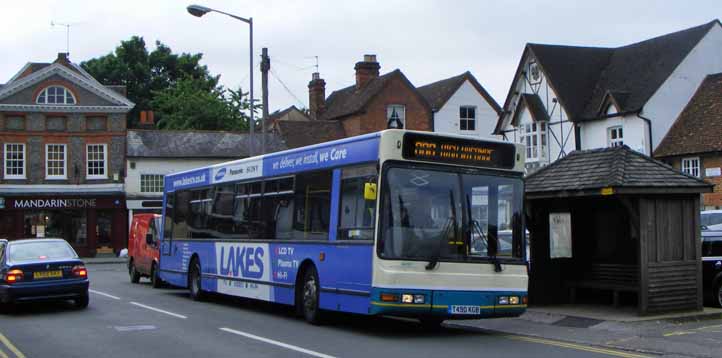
(514,300)
(419,299)
(407,298)
(503,300)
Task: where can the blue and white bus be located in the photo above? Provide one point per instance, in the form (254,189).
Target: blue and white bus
(442,238)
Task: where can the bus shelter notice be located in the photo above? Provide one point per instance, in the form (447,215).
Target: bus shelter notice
(560,235)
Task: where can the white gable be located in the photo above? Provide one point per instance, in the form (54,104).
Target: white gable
(447,118)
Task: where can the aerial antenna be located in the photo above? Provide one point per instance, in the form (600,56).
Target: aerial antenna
(67,33)
(316,65)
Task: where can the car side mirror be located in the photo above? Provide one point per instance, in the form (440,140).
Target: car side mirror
(149,239)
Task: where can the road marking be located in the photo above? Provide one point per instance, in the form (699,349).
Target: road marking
(104,294)
(609,352)
(3,355)
(134,328)
(277,343)
(158,310)
(11,347)
(692,331)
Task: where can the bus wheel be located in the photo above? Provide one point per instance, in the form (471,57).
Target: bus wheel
(155,280)
(431,323)
(310,295)
(194,280)
(133,272)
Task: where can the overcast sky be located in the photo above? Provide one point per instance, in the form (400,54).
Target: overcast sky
(427,40)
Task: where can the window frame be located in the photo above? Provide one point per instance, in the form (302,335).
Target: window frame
(689,169)
(468,120)
(402,117)
(67,94)
(6,159)
(105,161)
(64,161)
(154,182)
(537,133)
(615,142)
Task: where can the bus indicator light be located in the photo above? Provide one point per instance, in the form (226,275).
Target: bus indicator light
(389,297)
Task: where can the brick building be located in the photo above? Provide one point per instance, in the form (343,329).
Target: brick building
(62,153)
(694,143)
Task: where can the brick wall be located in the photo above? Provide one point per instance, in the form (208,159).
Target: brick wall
(713,199)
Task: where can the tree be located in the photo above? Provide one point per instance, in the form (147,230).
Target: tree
(146,74)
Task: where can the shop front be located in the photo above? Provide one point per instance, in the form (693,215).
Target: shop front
(91,224)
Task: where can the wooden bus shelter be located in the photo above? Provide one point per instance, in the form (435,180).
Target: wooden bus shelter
(615,226)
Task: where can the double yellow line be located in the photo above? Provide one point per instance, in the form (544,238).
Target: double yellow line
(580,347)
(14,350)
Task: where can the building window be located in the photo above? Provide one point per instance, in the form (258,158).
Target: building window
(151,183)
(690,166)
(615,137)
(534,136)
(55,95)
(97,156)
(467,118)
(55,159)
(14,161)
(396,116)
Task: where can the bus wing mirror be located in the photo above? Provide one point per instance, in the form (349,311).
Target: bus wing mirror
(370,191)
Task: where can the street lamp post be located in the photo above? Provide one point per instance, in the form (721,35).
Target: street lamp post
(198,11)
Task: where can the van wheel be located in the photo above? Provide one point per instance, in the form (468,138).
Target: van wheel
(133,272)
(155,280)
(310,297)
(194,281)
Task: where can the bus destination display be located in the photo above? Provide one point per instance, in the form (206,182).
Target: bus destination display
(458,151)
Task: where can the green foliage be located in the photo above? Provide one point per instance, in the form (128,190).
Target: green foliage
(168,84)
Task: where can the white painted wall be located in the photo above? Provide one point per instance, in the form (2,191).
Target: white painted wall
(447,118)
(635,134)
(158,166)
(667,103)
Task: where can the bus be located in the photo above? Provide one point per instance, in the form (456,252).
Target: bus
(399,223)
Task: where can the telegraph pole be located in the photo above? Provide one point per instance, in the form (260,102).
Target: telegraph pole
(265,67)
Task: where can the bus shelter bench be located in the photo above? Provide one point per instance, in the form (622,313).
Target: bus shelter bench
(607,277)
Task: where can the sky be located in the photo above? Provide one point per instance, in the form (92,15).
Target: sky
(428,40)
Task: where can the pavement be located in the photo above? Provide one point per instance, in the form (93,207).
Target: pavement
(135,320)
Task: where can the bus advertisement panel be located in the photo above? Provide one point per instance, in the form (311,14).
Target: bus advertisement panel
(391,223)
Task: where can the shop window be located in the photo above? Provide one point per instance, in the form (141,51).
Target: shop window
(97,160)
(55,95)
(151,183)
(467,118)
(55,161)
(358,214)
(68,224)
(396,116)
(14,161)
(690,166)
(615,137)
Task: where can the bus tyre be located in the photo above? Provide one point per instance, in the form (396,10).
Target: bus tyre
(194,281)
(310,296)
(431,323)
(155,280)
(133,272)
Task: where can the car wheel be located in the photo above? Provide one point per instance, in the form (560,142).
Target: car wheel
(431,323)
(82,301)
(133,272)
(155,280)
(310,297)
(194,281)
(718,295)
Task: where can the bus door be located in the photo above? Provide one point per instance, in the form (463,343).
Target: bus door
(165,246)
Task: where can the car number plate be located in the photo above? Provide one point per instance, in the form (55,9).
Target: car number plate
(462,309)
(47,274)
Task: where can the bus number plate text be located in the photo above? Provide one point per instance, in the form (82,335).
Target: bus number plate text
(458,309)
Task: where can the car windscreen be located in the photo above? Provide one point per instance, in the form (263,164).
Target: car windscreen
(45,250)
(708,219)
(712,245)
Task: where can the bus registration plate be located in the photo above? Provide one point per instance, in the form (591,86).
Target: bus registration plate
(459,309)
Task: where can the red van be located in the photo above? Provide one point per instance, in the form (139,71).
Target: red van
(143,250)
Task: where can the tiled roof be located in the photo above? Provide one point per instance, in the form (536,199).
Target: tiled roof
(620,168)
(196,144)
(536,107)
(583,76)
(302,133)
(698,129)
(351,100)
(439,92)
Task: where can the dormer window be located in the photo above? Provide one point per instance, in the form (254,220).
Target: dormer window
(55,95)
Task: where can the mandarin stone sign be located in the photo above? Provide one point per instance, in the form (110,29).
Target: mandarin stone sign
(52,203)
(458,151)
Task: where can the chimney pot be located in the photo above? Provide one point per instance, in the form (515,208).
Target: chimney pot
(316,96)
(366,70)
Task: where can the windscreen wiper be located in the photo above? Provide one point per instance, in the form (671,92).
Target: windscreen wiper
(450,225)
(476,227)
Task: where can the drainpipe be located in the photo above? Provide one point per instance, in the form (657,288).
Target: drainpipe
(649,127)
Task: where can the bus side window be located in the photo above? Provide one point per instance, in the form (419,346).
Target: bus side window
(358,214)
(168,219)
(312,205)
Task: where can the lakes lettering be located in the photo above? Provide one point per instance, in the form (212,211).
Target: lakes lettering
(243,261)
(55,203)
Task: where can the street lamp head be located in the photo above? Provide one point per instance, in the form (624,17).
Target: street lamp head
(198,10)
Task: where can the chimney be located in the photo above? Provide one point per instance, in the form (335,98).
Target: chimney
(146,120)
(316,95)
(63,58)
(366,70)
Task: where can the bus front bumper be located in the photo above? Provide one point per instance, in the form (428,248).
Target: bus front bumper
(447,304)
